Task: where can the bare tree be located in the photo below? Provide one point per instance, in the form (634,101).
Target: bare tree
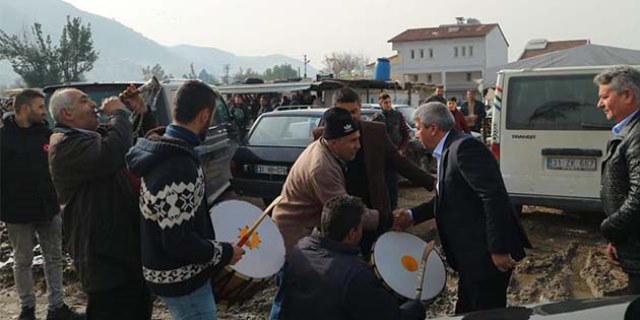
(344,64)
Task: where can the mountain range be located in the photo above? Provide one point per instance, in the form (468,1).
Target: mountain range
(123,52)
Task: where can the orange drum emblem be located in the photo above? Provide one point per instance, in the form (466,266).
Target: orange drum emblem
(409,263)
(254,240)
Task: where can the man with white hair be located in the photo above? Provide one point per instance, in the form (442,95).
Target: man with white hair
(101,218)
(619,99)
(480,231)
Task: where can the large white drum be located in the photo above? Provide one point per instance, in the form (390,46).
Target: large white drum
(396,259)
(264,252)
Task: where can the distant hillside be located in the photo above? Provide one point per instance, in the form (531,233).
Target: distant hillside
(123,51)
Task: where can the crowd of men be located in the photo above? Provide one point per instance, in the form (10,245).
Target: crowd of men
(136,225)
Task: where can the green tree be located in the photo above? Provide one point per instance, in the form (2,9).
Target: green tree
(280,72)
(41,63)
(243,75)
(157,71)
(33,57)
(207,77)
(77,55)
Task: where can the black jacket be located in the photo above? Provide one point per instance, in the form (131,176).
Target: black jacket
(100,216)
(620,194)
(179,253)
(27,193)
(326,279)
(472,209)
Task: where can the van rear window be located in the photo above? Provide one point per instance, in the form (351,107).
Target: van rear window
(554,103)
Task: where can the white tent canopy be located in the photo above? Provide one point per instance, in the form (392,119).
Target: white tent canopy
(586,55)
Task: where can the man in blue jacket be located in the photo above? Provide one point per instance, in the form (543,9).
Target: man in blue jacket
(179,250)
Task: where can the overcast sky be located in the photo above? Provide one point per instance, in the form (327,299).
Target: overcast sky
(317,28)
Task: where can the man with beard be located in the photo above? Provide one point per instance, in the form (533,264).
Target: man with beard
(29,204)
(179,250)
(100,215)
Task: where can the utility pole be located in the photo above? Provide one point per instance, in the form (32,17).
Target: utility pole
(305,65)
(226,68)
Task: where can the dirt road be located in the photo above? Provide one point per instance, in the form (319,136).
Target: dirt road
(567,262)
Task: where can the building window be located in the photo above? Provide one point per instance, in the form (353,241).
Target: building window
(455,51)
(413,54)
(470,51)
(421,53)
(429,78)
(430,53)
(468,76)
(464,51)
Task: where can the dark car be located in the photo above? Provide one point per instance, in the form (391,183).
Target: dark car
(215,152)
(260,166)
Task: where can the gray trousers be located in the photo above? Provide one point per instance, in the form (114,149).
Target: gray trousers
(50,238)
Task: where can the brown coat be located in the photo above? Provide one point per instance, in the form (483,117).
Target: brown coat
(378,152)
(314,178)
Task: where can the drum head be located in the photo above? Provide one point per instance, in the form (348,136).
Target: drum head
(397,255)
(264,252)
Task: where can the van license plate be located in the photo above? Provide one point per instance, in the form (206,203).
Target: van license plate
(277,170)
(571,164)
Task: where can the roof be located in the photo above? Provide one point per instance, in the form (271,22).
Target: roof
(586,55)
(552,46)
(453,31)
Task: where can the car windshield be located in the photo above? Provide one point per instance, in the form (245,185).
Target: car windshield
(407,113)
(283,131)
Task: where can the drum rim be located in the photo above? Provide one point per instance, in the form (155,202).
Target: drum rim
(384,282)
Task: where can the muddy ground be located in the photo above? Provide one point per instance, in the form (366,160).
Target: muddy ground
(567,262)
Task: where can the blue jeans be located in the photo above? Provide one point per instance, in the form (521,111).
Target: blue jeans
(276,307)
(198,305)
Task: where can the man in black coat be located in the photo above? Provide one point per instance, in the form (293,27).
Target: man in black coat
(327,278)
(480,232)
(101,217)
(619,98)
(29,204)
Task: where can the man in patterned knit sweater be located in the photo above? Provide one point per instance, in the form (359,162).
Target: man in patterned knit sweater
(179,253)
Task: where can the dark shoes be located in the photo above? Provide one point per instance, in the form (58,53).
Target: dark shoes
(63,313)
(27,314)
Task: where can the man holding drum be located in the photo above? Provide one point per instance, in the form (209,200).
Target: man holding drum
(481,234)
(328,279)
(179,250)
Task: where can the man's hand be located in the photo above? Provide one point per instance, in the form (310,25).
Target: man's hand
(111,105)
(503,262)
(612,254)
(134,100)
(401,219)
(237,254)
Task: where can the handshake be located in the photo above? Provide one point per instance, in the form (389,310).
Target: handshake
(402,219)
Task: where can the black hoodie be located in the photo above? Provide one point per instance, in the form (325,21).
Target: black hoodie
(28,194)
(179,252)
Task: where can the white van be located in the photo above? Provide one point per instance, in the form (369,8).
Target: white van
(550,137)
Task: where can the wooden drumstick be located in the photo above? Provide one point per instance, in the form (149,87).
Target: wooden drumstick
(423,266)
(255,225)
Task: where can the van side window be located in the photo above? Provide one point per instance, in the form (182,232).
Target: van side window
(554,103)
(221,113)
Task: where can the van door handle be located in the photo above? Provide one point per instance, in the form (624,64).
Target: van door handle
(576,152)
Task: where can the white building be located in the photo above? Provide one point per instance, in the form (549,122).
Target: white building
(452,55)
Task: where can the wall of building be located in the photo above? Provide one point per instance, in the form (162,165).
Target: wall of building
(497,49)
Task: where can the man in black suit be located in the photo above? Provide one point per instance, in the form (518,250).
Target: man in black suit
(480,232)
